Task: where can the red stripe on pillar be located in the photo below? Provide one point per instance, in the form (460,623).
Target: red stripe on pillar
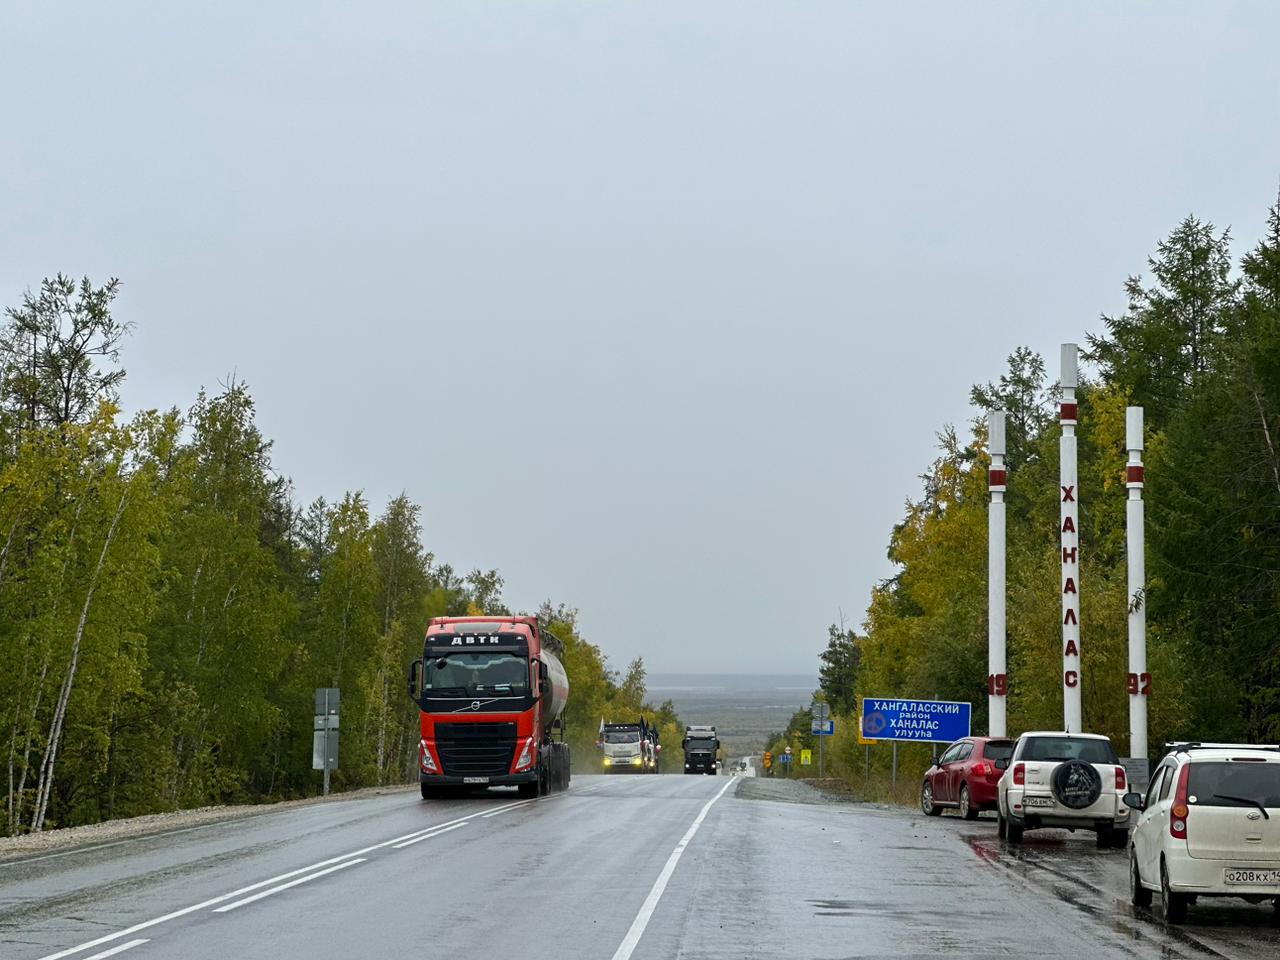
(1133,474)
(996,478)
(1068,412)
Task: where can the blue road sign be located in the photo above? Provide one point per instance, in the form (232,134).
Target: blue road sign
(823,728)
(785,758)
(931,721)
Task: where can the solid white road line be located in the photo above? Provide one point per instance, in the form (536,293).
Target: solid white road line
(655,894)
(249,889)
(427,836)
(120,949)
(291,883)
(499,810)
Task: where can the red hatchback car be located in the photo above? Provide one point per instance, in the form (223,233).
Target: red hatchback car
(965,777)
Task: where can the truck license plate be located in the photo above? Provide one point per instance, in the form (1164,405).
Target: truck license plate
(475,779)
(1268,878)
(1037,801)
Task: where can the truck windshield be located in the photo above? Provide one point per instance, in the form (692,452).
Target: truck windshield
(473,674)
(622,736)
(701,743)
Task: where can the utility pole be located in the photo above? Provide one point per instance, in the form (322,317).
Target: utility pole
(1139,680)
(997,668)
(1070,515)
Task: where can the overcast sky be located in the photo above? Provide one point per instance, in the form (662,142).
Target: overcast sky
(656,307)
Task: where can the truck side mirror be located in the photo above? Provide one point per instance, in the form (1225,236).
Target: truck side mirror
(415,676)
(544,681)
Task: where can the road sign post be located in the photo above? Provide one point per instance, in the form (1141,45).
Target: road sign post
(920,721)
(324,738)
(823,726)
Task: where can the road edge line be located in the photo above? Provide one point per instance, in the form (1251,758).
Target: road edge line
(641,922)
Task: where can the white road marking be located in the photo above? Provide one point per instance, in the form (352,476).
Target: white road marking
(120,949)
(655,894)
(108,938)
(291,883)
(494,813)
(427,836)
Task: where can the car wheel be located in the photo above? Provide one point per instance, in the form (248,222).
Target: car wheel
(1002,825)
(1119,838)
(1139,895)
(1175,904)
(966,804)
(930,808)
(1013,832)
(1104,838)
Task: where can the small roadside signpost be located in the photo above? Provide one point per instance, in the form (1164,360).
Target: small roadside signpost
(785,758)
(806,757)
(324,737)
(919,721)
(822,726)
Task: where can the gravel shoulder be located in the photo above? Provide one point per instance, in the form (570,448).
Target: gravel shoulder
(52,841)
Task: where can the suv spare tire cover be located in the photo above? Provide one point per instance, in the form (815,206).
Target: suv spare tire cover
(1077,784)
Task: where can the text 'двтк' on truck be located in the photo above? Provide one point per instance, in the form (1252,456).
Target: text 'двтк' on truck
(491,694)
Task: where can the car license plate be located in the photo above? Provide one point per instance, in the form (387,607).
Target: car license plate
(475,779)
(1037,801)
(1268,878)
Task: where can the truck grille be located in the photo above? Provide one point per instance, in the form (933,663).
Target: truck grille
(476,749)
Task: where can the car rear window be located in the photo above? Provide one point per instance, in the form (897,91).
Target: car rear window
(998,751)
(1214,783)
(1050,749)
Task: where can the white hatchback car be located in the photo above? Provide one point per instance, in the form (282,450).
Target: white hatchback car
(1068,780)
(1209,826)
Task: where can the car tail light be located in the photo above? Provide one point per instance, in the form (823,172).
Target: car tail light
(1020,773)
(1180,811)
(1121,782)
(982,769)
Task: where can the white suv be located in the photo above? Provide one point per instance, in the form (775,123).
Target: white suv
(1209,826)
(1069,780)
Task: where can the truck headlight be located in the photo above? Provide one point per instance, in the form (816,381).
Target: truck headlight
(608,761)
(636,761)
(425,760)
(526,755)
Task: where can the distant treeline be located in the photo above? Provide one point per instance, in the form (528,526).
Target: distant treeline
(1198,347)
(166,608)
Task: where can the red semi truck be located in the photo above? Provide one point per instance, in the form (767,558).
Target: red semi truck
(491,693)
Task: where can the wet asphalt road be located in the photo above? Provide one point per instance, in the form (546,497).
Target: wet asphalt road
(586,873)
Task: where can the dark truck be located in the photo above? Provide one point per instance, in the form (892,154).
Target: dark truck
(700,748)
